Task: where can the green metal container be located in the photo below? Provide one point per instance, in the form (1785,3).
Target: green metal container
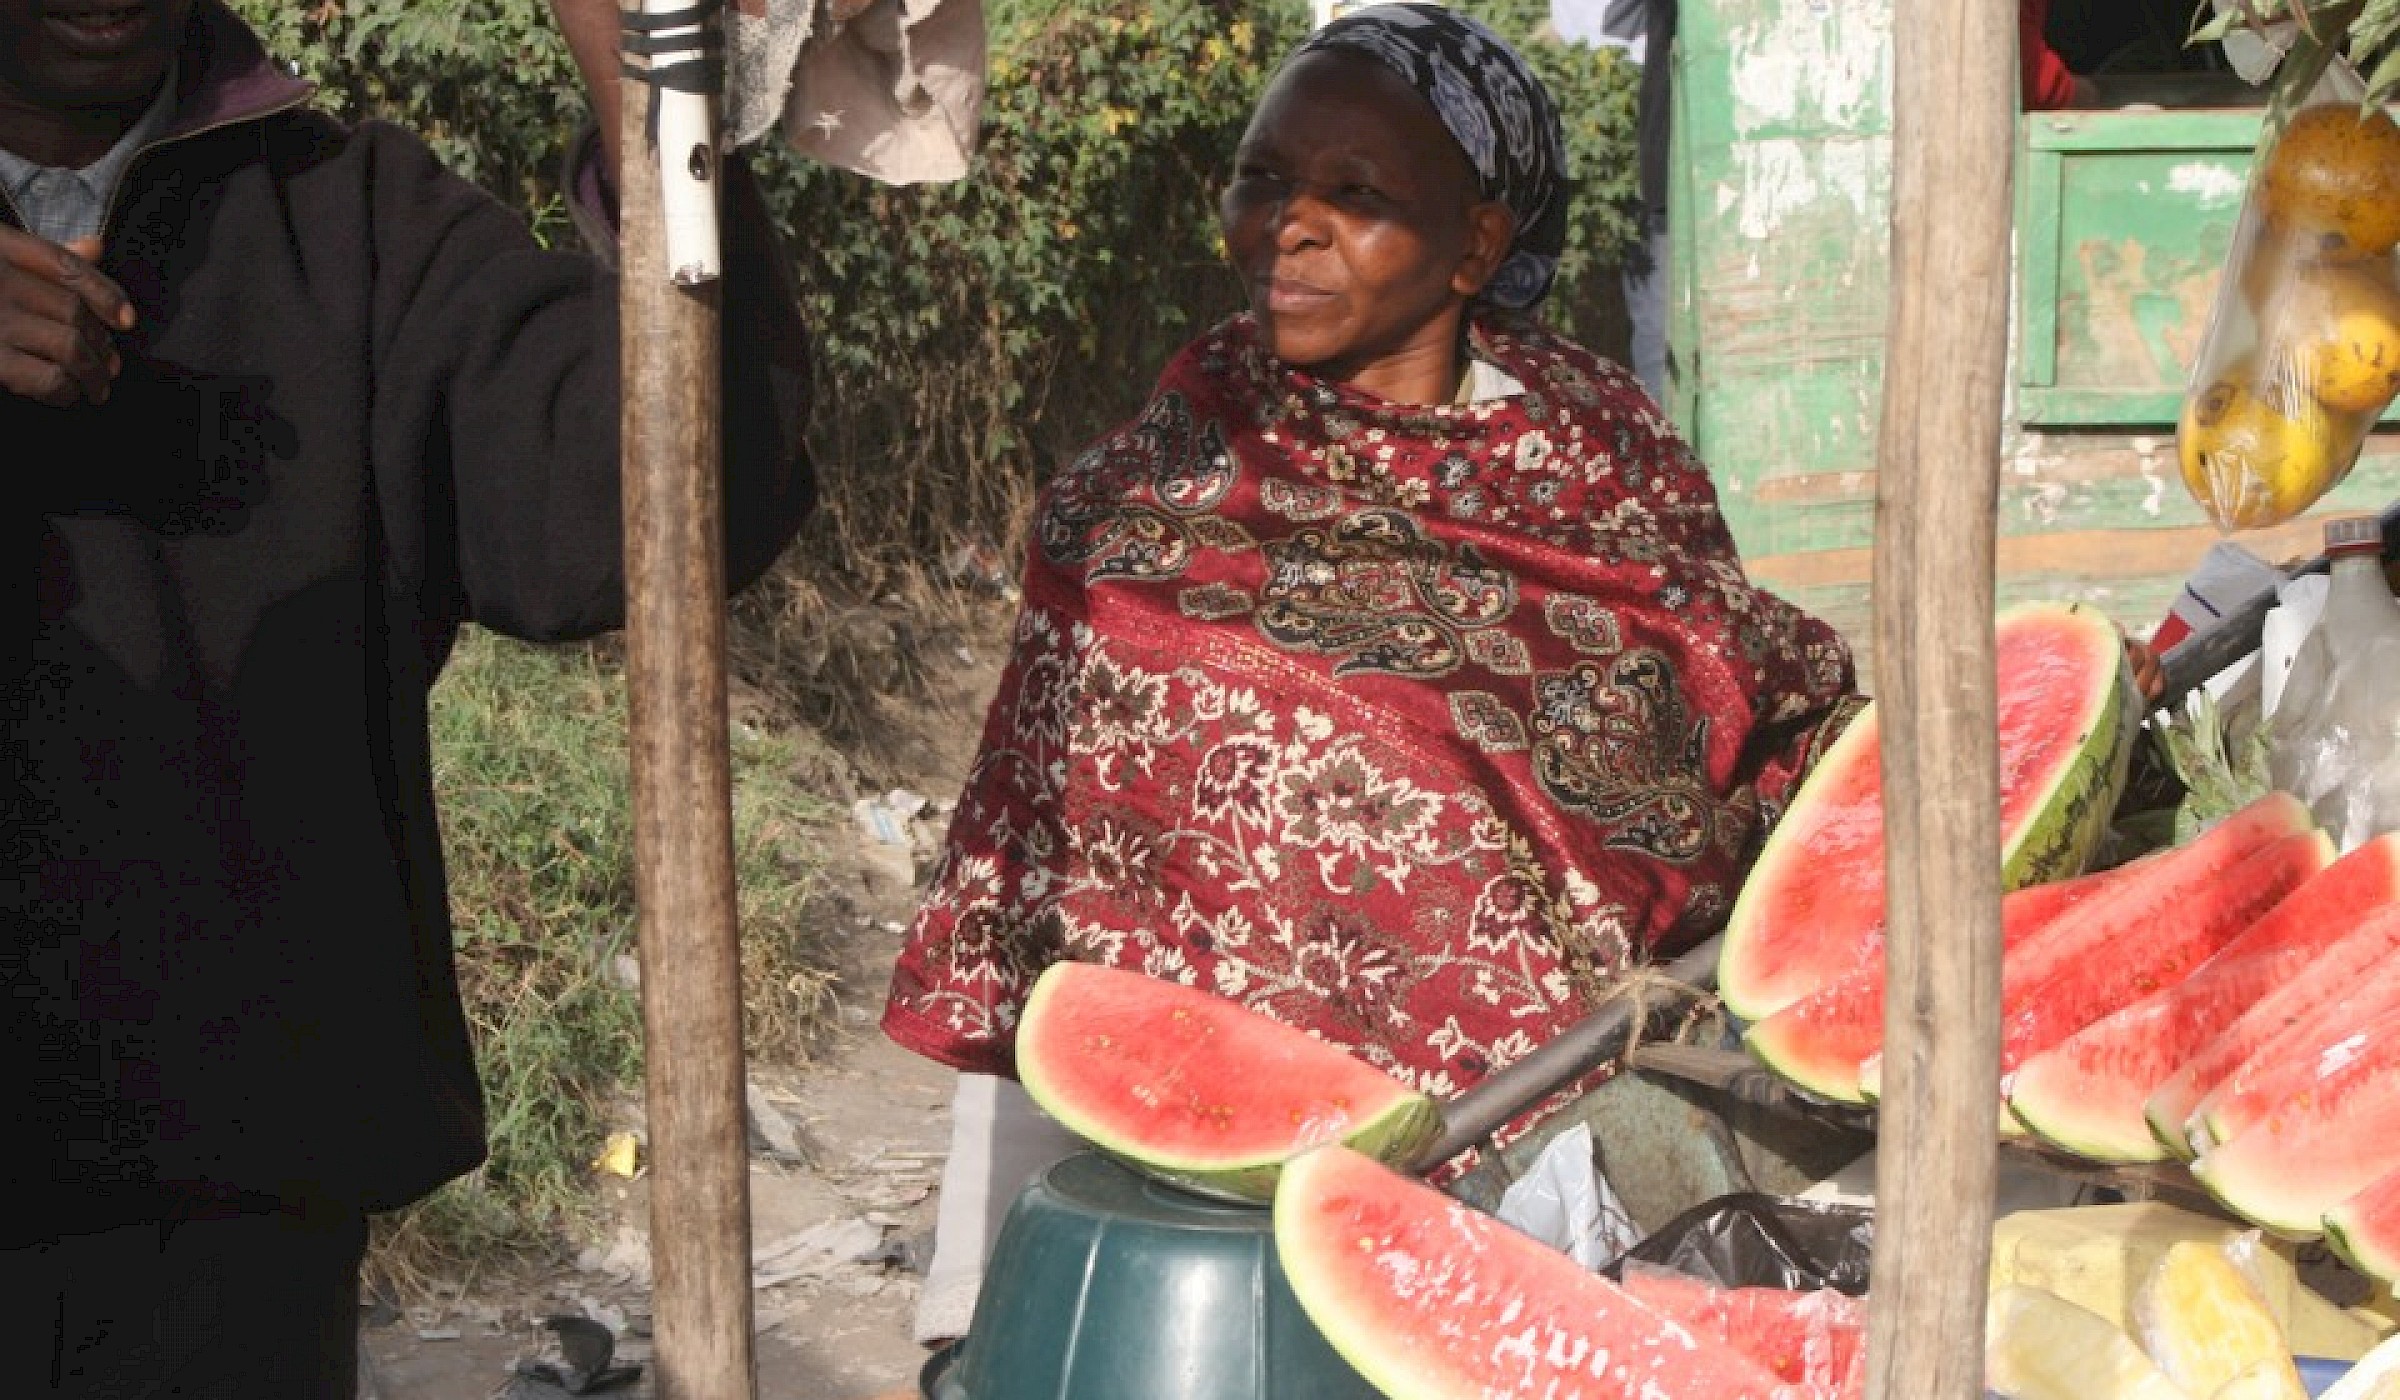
(1105,1285)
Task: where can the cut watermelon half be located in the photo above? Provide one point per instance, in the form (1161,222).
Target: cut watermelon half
(1198,1090)
(1810,908)
(1819,1041)
(2086,1093)
(2366,1229)
(2098,944)
(2287,1170)
(2342,970)
(1430,1300)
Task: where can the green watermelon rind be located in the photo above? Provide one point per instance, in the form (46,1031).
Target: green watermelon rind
(1783,1047)
(2357,1243)
(2256,1201)
(2073,818)
(2068,820)
(2070,1133)
(1394,1134)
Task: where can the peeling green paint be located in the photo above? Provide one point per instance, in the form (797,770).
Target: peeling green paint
(1780,285)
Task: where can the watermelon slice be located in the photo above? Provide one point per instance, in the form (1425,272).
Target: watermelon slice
(1817,1339)
(2186,894)
(2085,1094)
(1819,1041)
(2343,969)
(2359,1035)
(1200,1091)
(2068,711)
(2366,1231)
(2313,1152)
(2145,938)
(1430,1300)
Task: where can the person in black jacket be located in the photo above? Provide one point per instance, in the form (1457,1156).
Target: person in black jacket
(284,405)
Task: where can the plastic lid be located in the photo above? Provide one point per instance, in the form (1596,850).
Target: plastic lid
(2353,532)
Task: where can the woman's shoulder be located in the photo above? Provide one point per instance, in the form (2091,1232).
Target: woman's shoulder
(1556,359)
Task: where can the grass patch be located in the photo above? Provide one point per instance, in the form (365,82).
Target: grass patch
(530,770)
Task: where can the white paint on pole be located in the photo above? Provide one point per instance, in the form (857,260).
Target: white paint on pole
(690,162)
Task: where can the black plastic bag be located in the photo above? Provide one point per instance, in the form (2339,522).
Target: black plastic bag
(1752,1240)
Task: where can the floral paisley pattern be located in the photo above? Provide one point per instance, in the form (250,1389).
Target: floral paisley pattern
(1418,780)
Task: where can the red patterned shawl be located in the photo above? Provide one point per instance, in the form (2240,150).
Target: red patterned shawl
(1407,725)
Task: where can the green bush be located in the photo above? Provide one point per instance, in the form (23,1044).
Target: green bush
(530,771)
(969,336)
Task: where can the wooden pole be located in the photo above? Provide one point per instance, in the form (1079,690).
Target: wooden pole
(682,801)
(1937,475)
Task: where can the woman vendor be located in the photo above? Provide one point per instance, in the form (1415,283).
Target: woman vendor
(1393,672)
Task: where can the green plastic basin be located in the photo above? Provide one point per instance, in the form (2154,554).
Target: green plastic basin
(1105,1285)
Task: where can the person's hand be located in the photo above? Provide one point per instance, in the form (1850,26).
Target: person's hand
(57,318)
(2146,672)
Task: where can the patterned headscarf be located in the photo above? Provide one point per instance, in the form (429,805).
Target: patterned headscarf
(1497,109)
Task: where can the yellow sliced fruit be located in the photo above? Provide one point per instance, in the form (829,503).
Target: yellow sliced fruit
(2204,1324)
(2039,1346)
(2100,1256)
(2265,1380)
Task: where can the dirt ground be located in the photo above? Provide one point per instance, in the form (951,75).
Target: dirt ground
(843,1197)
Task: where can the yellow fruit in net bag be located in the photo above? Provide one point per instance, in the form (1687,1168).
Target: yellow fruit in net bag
(2357,370)
(2337,328)
(2250,462)
(2334,178)
(2204,1324)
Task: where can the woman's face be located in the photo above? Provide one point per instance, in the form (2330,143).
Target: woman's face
(1355,223)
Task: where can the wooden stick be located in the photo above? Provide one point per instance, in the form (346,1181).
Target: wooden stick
(682,802)
(1937,491)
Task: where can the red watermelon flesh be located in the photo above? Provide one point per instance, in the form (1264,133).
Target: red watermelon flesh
(2366,1229)
(1808,913)
(2328,1059)
(2310,1153)
(1431,1300)
(1198,1090)
(1819,1041)
(2101,965)
(2343,969)
(2098,938)
(1817,1339)
(2086,1093)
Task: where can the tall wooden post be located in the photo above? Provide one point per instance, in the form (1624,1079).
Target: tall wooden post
(683,793)
(1937,468)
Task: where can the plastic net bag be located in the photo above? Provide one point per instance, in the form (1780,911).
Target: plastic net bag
(2302,351)
(1814,1338)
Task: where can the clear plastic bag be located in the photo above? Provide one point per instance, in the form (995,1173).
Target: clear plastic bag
(2334,740)
(2302,351)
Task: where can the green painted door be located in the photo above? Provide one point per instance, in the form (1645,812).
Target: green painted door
(1781,222)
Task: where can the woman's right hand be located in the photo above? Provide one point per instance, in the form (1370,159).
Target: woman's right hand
(57,318)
